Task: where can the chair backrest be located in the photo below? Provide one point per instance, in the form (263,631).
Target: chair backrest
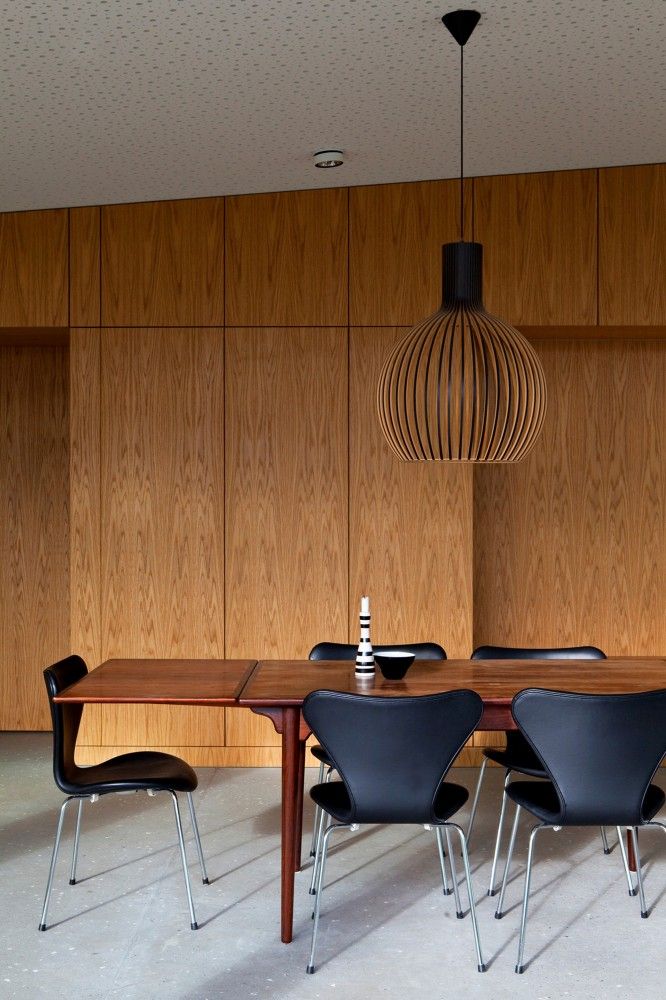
(66,718)
(549,653)
(347,651)
(600,751)
(392,753)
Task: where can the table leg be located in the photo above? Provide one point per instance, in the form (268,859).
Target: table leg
(290,773)
(298,819)
(631,854)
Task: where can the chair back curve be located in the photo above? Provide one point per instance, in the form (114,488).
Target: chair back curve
(347,651)
(392,753)
(66,719)
(600,751)
(546,653)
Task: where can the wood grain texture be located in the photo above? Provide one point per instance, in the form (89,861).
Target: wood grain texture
(539,233)
(163,263)
(632,245)
(34,527)
(201,756)
(209,682)
(570,546)
(395,257)
(410,524)
(85,511)
(286,497)
(287,259)
(162,488)
(33,265)
(84,266)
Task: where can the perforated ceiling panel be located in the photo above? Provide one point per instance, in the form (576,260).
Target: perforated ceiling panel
(128,100)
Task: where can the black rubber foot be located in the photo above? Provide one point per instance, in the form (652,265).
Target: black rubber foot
(447,892)
(491,892)
(206,881)
(42,927)
(520,969)
(498,916)
(313,854)
(310,970)
(644,914)
(72,881)
(633,892)
(312,915)
(607,850)
(313,892)
(481,968)
(194,926)
(460,915)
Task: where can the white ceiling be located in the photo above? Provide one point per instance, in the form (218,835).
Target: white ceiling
(130,100)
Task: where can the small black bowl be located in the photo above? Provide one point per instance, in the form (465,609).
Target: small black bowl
(394,663)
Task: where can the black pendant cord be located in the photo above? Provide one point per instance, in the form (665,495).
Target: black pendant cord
(462,182)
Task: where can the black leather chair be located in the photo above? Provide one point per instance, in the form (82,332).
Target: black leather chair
(518,755)
(147,771)
(600,753)
(347,651)
(392,755)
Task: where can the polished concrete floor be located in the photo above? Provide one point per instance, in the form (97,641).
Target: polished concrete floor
(386,930)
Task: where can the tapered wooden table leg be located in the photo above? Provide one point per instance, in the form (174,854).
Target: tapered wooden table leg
(631,854)
(290,774)
(298,824)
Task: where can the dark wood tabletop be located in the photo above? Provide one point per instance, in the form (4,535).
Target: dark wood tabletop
(288,682)
(162,682)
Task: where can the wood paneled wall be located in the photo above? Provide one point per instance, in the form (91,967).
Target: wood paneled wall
(34,528)
(230,490)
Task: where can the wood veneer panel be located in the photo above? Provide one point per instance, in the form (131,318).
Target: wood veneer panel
(33,265)
(286,498)
(396,237)
(85,511)
(84,266)
(163,263)
(34,525)
(632,245)
(539,233)
(287,259)
(162,540)
(410,523)
(570,545)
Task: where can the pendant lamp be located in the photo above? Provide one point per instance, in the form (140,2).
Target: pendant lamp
(462,386)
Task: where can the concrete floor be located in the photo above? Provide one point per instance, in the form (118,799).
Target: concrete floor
(386,928)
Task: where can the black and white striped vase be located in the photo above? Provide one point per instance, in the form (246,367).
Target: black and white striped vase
(365,661)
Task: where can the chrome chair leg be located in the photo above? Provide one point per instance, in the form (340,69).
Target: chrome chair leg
(454,876)
(625,862)
(442,860)
(472,815)
(639,872)
(318,832)
(320,882)
(183,857)
(523,919)
(197,839)
(499,911)
(75,852)
(313,845)
(498,839)
(54,858)
(604,840)
(470,894)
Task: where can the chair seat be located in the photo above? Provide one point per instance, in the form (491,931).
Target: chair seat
(334,799)
(519,758)
(540,798)
(133,772)
(319,752)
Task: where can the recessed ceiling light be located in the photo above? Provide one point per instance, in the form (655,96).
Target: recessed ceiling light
(329,158)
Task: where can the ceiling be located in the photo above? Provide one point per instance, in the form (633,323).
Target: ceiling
(130,100)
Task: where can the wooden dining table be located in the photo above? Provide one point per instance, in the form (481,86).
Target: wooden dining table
(277,689)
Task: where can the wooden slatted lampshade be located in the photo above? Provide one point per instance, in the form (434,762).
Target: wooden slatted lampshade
(462,386)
